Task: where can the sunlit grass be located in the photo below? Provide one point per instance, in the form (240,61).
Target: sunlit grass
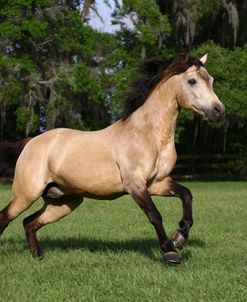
(107,251)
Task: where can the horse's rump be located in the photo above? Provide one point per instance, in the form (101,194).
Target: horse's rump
(77,162)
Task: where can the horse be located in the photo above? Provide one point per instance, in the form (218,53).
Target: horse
(9,153)
(134,155)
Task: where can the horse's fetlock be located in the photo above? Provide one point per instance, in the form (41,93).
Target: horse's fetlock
(185,227)
(168,246)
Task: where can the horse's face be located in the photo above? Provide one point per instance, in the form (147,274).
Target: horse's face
(197,94)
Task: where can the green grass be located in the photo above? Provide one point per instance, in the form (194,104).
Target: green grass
(107,251)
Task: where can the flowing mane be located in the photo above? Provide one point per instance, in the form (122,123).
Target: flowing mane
(150,74)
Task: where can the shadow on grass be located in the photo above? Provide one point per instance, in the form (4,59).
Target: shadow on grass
(144,246)
(197,243)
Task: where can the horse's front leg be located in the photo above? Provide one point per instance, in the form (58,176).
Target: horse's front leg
(168,187)
(141,195)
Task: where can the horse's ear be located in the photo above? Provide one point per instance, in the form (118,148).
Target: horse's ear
(204,59)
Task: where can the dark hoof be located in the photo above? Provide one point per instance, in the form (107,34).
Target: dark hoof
(37,254)
(172,258)
(178,240)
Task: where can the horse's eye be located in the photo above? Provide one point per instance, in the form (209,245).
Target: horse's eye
(192,81)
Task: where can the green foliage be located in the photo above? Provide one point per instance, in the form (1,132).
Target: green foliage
(35,28)
(145,39)
(184,117)
(150,21)
(48,54)
(149,25)
(226,66)
(85,83)
(11,90)
(117,73)
(26,117)
(10,31)
(21,65)
(17,19)
(50,58)
(205,8)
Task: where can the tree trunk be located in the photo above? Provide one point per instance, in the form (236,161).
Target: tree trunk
(2,117)
(143,53)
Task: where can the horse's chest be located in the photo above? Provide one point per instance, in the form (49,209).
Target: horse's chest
(165,162)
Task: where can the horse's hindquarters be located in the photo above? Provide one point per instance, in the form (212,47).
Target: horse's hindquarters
(77,162)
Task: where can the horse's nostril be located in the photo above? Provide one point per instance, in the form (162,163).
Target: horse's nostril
(217,110)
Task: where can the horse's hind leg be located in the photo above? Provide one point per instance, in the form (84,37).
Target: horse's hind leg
(24,194)
(53,210)
(170,188)
(16,206)
(3,220)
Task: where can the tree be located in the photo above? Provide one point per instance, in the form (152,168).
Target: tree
(48,58)
(144,38)
(217,27)
(53,63)
(196,21)
(230,85)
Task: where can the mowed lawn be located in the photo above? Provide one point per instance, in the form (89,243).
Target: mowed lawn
(108,251)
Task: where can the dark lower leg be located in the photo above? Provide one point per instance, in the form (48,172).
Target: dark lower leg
(155,219)
(187,219)
(15,207)
(53,210)
(3,220)
(145,202)
(182,234)
(31,226)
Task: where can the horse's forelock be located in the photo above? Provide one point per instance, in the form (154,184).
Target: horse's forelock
(180,64)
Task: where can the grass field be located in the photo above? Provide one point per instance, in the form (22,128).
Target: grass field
(107,251)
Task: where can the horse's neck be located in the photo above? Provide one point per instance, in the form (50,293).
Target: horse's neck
(159,114)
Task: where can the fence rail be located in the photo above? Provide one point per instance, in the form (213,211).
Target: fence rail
(217,166)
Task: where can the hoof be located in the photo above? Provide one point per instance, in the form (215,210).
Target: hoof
(37,254)
(178,240)
(172,258)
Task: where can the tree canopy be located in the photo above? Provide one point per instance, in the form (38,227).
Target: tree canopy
(58,71)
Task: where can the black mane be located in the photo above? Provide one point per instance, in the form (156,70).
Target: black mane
(150,74)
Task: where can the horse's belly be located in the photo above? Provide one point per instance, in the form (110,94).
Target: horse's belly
(90,176)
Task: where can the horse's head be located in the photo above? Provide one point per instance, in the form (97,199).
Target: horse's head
(197,94)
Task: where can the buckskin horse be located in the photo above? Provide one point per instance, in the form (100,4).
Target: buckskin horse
(134,155)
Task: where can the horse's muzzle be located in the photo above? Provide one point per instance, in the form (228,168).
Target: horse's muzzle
(217,112)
